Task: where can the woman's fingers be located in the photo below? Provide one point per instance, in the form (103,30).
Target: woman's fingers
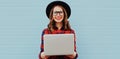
(43,56)
(72,55)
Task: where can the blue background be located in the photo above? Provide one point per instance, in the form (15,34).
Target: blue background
(96,23)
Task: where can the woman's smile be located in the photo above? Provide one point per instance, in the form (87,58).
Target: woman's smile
(58,17)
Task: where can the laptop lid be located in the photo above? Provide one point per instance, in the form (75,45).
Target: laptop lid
(58,44)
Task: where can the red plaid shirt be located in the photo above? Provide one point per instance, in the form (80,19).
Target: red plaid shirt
(46,31)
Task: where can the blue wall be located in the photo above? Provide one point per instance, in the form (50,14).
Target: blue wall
(96,23)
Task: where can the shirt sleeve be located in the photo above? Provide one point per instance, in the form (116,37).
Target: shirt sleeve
(45,31)
(75,44)
(42,44)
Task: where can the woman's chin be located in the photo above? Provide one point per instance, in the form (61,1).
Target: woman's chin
(58,20)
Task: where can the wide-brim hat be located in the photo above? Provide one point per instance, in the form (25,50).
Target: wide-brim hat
(61,3)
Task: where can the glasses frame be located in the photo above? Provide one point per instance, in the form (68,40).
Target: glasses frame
(55,13)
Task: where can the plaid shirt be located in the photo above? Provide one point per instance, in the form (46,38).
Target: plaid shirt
(46,31)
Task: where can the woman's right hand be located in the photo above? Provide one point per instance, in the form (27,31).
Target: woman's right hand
(43,56)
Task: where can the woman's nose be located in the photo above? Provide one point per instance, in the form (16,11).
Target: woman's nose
(58,14)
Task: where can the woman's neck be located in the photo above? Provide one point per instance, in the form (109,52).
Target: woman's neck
(59,25)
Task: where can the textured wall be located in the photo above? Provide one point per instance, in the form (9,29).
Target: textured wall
(96,23)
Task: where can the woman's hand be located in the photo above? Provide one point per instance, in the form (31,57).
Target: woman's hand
(72,56)
(43,56)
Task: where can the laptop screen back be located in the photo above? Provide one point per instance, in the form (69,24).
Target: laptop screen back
(58,44)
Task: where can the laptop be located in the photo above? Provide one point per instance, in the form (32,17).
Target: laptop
(58,44)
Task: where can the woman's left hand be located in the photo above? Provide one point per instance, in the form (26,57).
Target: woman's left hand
(72,56)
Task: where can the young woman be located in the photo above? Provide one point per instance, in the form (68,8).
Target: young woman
(58,13)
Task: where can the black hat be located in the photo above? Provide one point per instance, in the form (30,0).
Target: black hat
(61,3)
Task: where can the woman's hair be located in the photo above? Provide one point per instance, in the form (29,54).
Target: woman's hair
(65,22)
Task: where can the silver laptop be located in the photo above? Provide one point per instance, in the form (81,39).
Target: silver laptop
(58,44)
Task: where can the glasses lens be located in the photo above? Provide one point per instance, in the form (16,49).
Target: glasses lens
(58,12)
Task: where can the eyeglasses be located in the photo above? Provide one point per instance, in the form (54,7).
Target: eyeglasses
(58,12)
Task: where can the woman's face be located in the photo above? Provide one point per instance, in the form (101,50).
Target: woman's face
(58,14)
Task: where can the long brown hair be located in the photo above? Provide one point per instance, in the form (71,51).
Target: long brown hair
(65,22)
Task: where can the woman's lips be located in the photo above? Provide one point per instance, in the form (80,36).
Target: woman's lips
(58,17)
